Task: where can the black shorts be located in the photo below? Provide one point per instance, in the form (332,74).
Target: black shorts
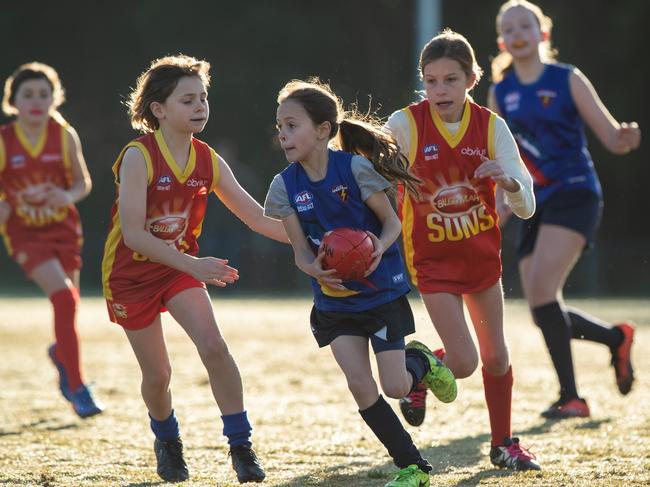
(396,316)
(579,210)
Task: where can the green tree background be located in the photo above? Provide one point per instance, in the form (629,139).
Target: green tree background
(366,50)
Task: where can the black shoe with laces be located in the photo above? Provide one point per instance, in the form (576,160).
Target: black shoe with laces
(171,465)
(514,456)
(246,464)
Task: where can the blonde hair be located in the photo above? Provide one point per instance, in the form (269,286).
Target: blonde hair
(452,45)
(157,83)
(351,131)
(27,72)
(502,62)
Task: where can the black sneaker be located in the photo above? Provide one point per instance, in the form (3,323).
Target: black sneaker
(514,456)
(246,464)
(171,465)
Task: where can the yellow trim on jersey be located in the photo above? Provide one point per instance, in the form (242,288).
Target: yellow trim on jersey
(65,149)
(32,150)
(3,157)
(145,154)
(452,140)
(407,237)
(171,162)
(413,136)
(336,293)
(215,169)
(7,240)
(110,249)
(491,141)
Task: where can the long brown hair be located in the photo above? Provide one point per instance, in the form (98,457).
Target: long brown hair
(502,62)
(30,71)
(157,83)
(351,131)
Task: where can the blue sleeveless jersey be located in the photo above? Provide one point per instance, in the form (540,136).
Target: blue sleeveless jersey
(549,131)
(336,202)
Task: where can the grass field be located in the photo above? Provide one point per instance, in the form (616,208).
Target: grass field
(307,429)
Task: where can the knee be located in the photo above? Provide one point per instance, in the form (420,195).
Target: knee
(395,390)
(496,362)
(213,350)
(157,381)
(360,384)
(539,291)
(462,366)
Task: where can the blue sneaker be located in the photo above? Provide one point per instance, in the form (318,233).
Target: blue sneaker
(84,403)
(63,378)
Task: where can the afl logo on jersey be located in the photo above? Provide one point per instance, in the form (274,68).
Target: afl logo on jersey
(304,201)
(164,183)
(511,101)
(456,200)
(17,161)
(430,152)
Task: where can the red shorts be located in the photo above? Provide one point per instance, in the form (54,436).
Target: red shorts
(29,255)
(140,314)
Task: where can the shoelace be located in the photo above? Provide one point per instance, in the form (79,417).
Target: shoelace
(418,396)
(520,452)
(246,454)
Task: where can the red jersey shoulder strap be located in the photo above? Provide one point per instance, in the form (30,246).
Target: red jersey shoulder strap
(141,144)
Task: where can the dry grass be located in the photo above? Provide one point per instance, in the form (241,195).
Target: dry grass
(307,429)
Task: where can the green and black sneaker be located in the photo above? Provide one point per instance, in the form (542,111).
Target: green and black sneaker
(439,379)
(410,476)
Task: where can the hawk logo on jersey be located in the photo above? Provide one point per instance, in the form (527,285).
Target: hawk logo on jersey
(430,152)
(546,97)
(304,201)
(342,191)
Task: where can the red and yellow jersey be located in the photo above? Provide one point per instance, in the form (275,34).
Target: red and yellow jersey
(176,202)
(451,238)
(27,173)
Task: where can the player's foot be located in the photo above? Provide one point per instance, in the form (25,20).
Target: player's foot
(414,406)
(246,464)
(513,455)
(622,359)
(569,408)
(84,404)
(63,378)
(410,476)
(171,465)
(439,379)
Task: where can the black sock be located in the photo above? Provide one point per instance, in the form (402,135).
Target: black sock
(556,328)
(417,365)
(587,327)
(386,426)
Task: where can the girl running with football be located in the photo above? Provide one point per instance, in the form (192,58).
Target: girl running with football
(340,170)
(546,105)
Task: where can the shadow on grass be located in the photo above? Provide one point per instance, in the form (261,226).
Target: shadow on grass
(144,484)
(39,425)
(459,453)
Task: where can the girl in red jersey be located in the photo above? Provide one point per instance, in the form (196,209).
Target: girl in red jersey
(547,105)
(462,152)
(163,182)
(42,175)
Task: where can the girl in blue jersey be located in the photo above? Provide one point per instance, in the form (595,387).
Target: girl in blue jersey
(324,188)
(546,106)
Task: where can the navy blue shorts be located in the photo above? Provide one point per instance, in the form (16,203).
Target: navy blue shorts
(385,326)
(579,210)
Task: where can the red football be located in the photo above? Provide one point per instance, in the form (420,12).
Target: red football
(348,250)
(168,227)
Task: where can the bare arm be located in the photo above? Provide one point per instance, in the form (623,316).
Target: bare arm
(132,206)
(81,182)
(617,138)
(390,227)
(244,206)
(492,100)
(305,259)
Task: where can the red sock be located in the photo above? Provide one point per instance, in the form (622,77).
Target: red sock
(498,395)
(67,345)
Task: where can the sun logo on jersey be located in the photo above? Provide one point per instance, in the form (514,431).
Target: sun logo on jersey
(342,191)
(546,97)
